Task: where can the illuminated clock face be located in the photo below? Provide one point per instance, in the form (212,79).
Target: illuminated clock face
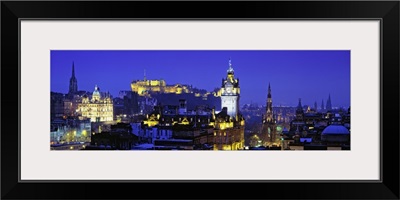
(229,89)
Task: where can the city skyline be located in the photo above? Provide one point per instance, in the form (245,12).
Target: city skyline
(309,75)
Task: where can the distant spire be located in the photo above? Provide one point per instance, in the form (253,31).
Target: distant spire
(329,103)
(269,87)
(299,105)
(269,90)
(144,75)
(73,69)
(73,83)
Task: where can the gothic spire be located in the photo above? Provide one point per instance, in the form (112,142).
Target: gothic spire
(299,105)
(269,90)
(73,70)
(73,83)
(329,103)
(269,87)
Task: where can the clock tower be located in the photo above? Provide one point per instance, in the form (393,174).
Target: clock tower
(230,93)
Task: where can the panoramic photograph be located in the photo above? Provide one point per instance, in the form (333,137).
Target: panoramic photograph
(200,100)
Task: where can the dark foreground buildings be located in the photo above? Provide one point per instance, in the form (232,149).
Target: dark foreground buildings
(318,130)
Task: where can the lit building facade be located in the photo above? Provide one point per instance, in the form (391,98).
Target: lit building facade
(70,133)
(144,87)
(228,132)
(98,109)
(175,127)
(201,128)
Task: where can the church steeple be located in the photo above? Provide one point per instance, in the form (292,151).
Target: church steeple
(269,113)
(269,90)
(329,103)
(269,122)
(299,106)
(299,111)
(73,82)
(73,70)
(315,106)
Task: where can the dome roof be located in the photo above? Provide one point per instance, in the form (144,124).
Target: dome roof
(335,129)
(96,93)
(96,90)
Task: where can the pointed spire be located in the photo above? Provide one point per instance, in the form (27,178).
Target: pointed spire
(269,90)
(269,87)
(329,99)
(73,69)
(329,103)
(144,73)
(73,83)
(230,69)
(299,105)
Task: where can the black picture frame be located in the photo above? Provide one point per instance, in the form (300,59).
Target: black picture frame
(386,11)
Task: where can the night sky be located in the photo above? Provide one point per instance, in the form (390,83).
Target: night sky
(309,75)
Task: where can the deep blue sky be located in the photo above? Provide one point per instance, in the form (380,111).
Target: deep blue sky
(309,75)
